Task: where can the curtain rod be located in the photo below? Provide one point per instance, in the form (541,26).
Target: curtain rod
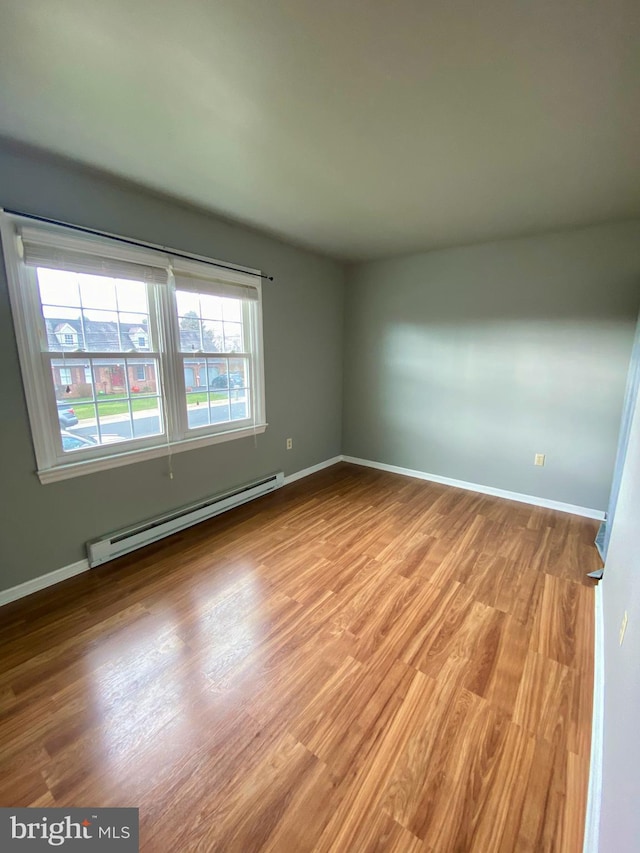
(141,243)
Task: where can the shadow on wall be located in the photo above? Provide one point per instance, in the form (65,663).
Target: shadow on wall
(476,400)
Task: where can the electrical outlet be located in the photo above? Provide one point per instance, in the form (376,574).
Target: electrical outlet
(538,459)
(623,626)
(289,444)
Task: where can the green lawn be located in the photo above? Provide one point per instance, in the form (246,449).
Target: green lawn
(117,407)
(84,408)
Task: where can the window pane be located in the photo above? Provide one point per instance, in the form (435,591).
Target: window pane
(233,337)
(202,329)
(212,339)
(125,406)
(219,408)
(99,332)
(239,372)
(132,297)
(58,288)
(238,389)
(114,419)
(147,416)
(240,409)
(190,334)
(231,309)
(187,303)
(198,409)
(97,292)
(224,395)
(71,442)
(217,370)
(134,332)
(64,333)
(72,380)
(143,377)
(94,313)
(211,307)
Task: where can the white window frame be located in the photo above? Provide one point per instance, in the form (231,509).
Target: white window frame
(53,464)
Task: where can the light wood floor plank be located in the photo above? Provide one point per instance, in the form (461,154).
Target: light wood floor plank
(358,662)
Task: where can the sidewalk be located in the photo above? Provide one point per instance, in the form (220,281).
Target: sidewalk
(146,413)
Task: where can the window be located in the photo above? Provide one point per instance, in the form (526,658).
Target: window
(66,335)
(159,352)
(213,341)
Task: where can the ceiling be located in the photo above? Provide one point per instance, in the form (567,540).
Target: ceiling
(360,128)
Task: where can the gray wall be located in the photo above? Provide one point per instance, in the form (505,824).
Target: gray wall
(620,816)
(45,527)
(462,362)
(466,362)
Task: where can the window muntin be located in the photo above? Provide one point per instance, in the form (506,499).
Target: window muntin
(104,343)
(223,392)
(96,313)
(209,323)
(217,388)
(110,401)
(106,315)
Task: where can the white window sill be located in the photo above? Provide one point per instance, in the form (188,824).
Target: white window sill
(116,460)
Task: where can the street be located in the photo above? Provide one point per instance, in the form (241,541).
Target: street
(148,423)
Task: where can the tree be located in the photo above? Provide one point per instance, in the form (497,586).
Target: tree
(190,322)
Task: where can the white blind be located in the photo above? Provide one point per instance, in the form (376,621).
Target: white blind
(62,249)
(55,250)
(205,278)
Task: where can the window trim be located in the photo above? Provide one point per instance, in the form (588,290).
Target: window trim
(41,403)
(102,463)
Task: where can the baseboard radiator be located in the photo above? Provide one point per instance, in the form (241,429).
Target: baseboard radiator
(121,542)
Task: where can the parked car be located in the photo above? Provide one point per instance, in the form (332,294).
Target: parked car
(72,441)
(76,442)
(227,380)
(66,415)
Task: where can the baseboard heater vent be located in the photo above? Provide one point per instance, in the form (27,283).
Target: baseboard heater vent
(115,545)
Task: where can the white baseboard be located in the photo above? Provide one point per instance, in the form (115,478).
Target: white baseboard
(65,572)
(36,584)
(587,512)
(51,578)
(594,800)
(291,478)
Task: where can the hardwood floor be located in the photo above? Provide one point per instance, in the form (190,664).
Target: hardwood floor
(358,662)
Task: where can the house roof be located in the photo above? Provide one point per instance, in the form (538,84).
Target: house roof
(93,335)
(102,336)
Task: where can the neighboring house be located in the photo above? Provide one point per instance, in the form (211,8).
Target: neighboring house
(74,379)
